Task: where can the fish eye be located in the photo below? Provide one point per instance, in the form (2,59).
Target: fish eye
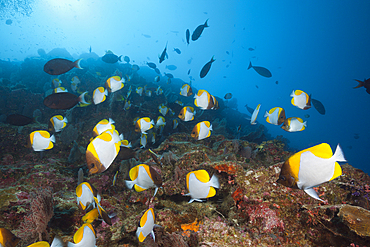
(282,178)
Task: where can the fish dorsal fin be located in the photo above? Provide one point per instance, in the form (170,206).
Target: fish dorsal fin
(144,219)
(44,133)
(105,136)
(322,150)
(79,234)
(134,172)
(202,176)
(60,117)
(212,192)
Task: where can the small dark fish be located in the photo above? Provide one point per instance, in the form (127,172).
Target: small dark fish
(171,67)
(146,36)
(318,106)
(250,110)
(168,75)
(152,65)
(251,49)
(187,36)
(198,31)
(18,120)
(224,76)
(228,53)
(365,84)
(60,66)
(307,115)
(276,82)
(228,96)
(356,136)
(9,22)
(177,50)
(164,54)
(189,71)
(157,71)
(228,65)
(256,86)
(111,58)
(126,59)
(206,68)
(90,49)
(260,70)
(62,100)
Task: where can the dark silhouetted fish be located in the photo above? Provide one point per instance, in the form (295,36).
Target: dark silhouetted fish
(62,100)
(228,96)
(365,84)
(164,54)
(146,35)
(198,31)
(250,110)
(177,50)
(206,68)
(189,71)
(187,36)
(8,22)
(157,71)
(60,66)
(318,106)
(171,67)
(168,75)
(260,70)
(152,65)
(18,120)
(90,49)
(110,57)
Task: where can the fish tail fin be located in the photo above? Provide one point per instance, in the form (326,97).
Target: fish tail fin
(250,65)
(266,114)
(129,184)
(111,121)
(119,58)
(52,138)
(360,84)
(77,63)
(213,58)
(305,124)
(206,23)
(214,182)
(338,155)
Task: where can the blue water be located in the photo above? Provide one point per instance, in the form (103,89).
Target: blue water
(319,47)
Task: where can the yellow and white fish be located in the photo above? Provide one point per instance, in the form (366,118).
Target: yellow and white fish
(186,90)
(203,100)
(57,242)
(159,91)
(157,78)
(187,113)
(41,140)
(126,143)
(202,130)
(143,124)
(129,92)
(148,93)
(275,116)
(255,114)
(143,140)
(139,91)
(200,186)
(99,95)
(55,83)
(312,167)
(127,105)
(114,83)
(163,109)
(144,177)
(102,151)
(175,123)
(74,83)
(84,237)
(301,99)
(103,125)
(179,102)
(161,121)
(58,122)
(294,124)
(85,193)
(146,225)
(60,90)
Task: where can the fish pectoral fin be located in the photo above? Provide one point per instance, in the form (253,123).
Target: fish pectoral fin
(311,192)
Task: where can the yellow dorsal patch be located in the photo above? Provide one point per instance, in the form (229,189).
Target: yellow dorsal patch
(101,89)
(104,121)
(144,219)
(39,244)
(60,117)
(134,173)
(207,123)
(44,133)
(117,78)
(146,119)
(298,92)
(212,192)
(79,234)
(106,136)
(125,142)
(202,175)
(272,110)
(299,119)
